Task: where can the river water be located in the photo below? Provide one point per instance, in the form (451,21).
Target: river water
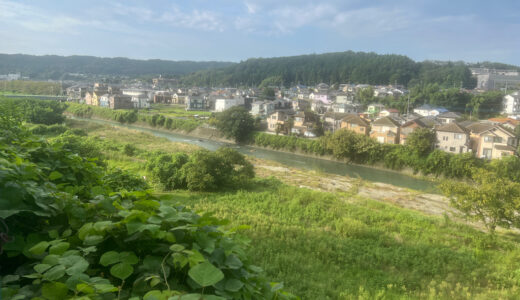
(294,160)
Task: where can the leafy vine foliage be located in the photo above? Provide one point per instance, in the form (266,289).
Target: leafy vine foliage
(75,234)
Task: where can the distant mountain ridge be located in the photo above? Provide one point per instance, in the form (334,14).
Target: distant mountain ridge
(338,67)
(58,67)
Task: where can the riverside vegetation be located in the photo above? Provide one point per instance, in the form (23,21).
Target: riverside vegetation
(70,228)
(321,245)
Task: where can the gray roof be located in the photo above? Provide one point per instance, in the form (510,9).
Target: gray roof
(452,127)
(386,121)
(355,119)
(450,115)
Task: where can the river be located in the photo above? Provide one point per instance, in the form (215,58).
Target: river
(294,160)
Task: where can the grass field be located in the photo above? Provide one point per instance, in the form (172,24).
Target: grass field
(176,111)
(341,245)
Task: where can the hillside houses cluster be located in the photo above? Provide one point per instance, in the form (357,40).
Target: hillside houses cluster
(308,111)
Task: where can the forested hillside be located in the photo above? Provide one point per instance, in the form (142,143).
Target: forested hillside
(57,67)
(340,67)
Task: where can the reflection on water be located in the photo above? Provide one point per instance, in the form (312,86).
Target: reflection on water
(297,161)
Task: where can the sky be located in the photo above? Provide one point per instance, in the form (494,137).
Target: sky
(226,30)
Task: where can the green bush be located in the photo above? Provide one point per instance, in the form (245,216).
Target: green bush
(201,171)
(72,238)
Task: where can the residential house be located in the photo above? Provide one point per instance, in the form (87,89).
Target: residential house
(426,110)
(120,101)
(453,138)
(196,103)
(304,123)
(179,98)
(448,117)
(356,123)
(140,101)
(162,97)
(385,130)
(103,100)
(409,127)
(506,122)
(277,120)
(346,108)
(320,97)
(511,104)
(332,120)
(88,97)
(389,112)
(262,108)
(492,141)
(375,109)
(300,104)
(225,104)
(76,93)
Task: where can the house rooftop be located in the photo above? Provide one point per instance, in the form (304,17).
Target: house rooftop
(355,119)
(452,127)
(386,121)
(449,115)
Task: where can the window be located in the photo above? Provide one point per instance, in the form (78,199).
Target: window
(353,125)
(452,149)
(458,136)
(498,139)
(445,138)
(488,139)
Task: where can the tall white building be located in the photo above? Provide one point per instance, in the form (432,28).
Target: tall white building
(511,104)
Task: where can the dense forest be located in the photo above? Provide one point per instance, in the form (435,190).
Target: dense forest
(57,67)
(340,67)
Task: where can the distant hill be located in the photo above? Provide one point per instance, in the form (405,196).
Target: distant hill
(57,67)
(340,67)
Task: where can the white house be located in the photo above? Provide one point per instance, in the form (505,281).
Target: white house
(224,104)
(426,110)
(511,104)
(140,101)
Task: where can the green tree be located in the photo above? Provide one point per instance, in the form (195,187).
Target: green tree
(236,123)
(421,141)
(490,199)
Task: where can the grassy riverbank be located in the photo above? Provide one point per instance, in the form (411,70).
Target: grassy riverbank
(341,244)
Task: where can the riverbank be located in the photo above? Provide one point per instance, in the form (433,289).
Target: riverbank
(213,134)
(290,159)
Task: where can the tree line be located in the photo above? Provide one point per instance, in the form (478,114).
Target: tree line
(340,67)
(58,67)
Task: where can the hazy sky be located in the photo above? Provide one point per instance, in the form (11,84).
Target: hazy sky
(469,30)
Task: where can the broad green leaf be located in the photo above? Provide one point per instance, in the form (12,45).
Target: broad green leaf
(121,270)
(195,258)
(91,240)
(234,285)
(54,273)
(54,290)
(177,247)
(84,230)
(179,258)
(103,288)
(205,274)
(84,288)
(39,248)
(55,175)
(155,281)
(80,266)
(196,297)
(109,258)
(128,258)
(74,280)
(40,268)
(233,262)
(9,278)
(59,248)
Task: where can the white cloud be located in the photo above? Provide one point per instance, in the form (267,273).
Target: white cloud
(195,19)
